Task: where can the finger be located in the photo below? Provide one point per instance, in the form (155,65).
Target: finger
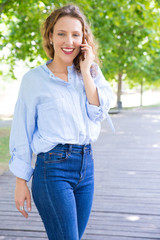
(85,49)
(85,45)
(21,210)
(20,207)
(24,213)
(28,199)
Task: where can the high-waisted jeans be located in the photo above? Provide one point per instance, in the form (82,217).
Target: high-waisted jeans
(63,189)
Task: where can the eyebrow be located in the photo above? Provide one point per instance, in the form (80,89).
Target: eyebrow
(66,31)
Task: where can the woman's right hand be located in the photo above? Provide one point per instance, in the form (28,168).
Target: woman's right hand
(22,193)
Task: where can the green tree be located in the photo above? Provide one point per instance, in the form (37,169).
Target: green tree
(129,33)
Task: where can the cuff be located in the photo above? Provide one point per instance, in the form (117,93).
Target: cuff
(97,113)
(20,168)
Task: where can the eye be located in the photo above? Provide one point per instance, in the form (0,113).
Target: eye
(60,34)
(76,35)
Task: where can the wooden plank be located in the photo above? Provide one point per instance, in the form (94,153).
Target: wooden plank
(127,185)
(22,234)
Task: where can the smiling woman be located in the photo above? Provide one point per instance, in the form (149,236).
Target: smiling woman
(77,26)
(57,116)
(65,42)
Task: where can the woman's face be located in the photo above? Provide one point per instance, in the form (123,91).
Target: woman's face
(67,37)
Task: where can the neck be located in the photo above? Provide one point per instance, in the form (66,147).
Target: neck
(59,67)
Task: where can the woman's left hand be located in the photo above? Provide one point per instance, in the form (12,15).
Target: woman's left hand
(88,57)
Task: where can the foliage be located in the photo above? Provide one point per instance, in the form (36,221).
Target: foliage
(131,43)
(128,33)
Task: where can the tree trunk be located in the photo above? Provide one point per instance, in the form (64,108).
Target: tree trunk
(119,92)
(141,93)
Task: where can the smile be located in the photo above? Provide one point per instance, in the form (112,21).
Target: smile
(68,50)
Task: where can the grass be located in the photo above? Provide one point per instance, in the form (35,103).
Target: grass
(4,149)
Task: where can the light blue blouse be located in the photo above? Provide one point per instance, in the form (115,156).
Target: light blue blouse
(50,110)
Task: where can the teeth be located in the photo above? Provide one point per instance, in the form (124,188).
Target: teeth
(67,50)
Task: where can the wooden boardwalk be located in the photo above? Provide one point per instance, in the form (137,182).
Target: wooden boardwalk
(127,185)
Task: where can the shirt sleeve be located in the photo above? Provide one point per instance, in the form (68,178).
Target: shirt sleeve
(105,95)
(22,129)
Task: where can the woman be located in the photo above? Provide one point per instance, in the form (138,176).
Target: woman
(57,117)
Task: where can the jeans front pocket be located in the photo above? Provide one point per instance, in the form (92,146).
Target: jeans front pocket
(56,165)
(56,156)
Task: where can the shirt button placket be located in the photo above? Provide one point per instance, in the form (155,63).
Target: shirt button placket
(69,77)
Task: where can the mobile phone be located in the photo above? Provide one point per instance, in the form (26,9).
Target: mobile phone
(82,53)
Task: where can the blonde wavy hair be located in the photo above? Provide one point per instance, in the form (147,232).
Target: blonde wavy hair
(48,27)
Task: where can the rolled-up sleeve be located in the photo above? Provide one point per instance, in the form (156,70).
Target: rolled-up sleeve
(105,95)
(22,129)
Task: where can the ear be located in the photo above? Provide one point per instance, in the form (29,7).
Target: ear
(50,37)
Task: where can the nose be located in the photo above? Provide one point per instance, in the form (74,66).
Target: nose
(69,40)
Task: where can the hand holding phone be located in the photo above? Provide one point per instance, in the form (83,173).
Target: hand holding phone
(87,56)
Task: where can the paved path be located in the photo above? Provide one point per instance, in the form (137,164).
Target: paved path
(127,185)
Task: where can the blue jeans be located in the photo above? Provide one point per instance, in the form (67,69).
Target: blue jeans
(63,189)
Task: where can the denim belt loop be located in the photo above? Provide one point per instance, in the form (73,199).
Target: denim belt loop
(87,147)
(83,149)
(70,147)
